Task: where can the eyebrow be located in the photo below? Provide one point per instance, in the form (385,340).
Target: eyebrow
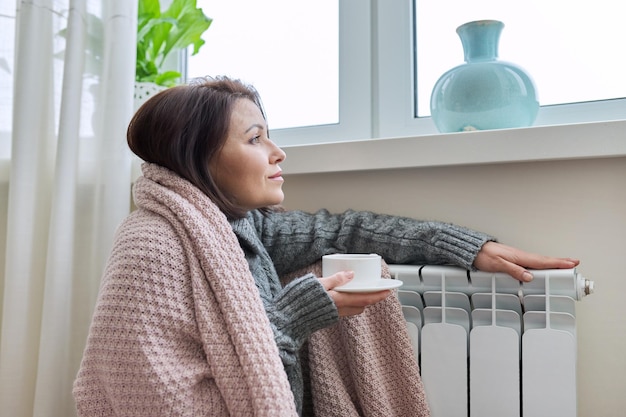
(253,126)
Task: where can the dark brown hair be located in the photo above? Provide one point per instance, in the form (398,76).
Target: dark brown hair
(183,128)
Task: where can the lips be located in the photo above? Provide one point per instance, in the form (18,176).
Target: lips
(279,174)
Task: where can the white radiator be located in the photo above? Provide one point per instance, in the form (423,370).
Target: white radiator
(490,346)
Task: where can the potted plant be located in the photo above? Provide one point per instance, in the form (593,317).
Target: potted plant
(161,33)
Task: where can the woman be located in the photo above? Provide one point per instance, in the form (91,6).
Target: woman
(192,318)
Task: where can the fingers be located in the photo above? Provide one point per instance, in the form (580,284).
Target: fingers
(349,304)
(522,274)
(535,261)
(518,272)
(546,262)
(337,280)
(496,257)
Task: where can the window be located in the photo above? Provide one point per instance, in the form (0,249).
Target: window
(286,49)
(342,26)
(337,30)
(572,57)
(378,53)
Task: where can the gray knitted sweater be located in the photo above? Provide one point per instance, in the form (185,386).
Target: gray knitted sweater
(279,243)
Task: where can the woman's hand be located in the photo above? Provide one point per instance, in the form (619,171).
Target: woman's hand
(496,257)
(350,304)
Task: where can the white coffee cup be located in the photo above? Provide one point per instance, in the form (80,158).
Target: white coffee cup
(366,267)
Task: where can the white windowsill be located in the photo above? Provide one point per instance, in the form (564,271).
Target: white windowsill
(541,143)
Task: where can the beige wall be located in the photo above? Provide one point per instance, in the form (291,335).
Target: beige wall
(571,208)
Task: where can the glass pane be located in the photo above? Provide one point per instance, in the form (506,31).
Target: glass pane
(288,50)
(572,50)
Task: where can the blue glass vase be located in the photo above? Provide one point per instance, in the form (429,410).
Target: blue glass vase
(484,93)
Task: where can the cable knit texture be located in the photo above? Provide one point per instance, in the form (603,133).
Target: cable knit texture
(364,365)
(183,331)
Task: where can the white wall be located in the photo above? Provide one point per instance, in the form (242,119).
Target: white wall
(573,208)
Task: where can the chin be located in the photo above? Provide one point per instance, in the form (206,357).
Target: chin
(277,202)
(268,203)
(279,198)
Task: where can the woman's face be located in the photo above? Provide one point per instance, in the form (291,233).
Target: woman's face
(246,169)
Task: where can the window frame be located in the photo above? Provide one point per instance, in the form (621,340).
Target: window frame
(378,130)
(396,82)
(355,92)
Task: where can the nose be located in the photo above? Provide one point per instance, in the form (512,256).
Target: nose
(277,155)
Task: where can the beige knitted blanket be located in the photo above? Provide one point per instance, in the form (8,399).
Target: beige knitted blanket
(203,346)
(364,365)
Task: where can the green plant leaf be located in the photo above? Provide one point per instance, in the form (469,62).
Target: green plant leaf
(167,78)
(191,23)
(151,7)
(188,31)
(159,33)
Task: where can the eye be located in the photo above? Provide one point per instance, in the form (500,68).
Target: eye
(256,139)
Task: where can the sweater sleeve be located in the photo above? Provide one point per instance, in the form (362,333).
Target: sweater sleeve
(301,308)
(295,239)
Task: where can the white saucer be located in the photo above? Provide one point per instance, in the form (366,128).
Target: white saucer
(380,285)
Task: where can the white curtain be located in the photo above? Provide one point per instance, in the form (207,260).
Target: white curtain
(66,97)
